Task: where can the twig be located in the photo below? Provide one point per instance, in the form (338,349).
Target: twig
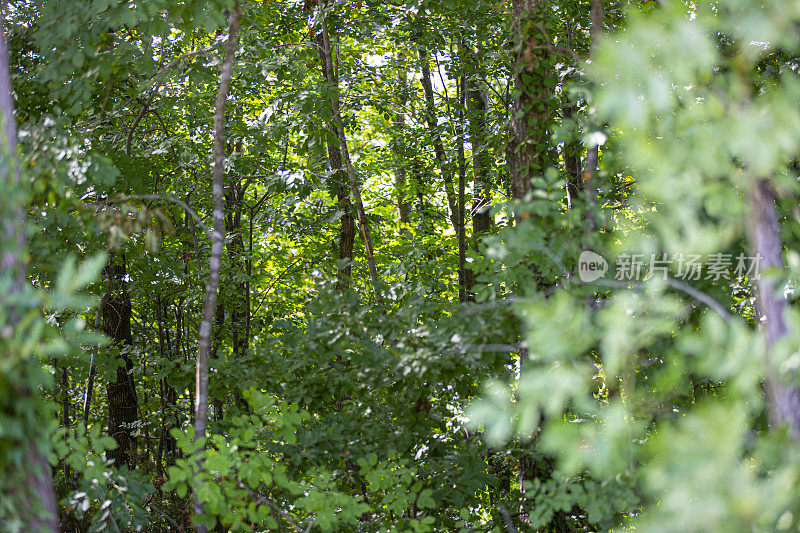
(276,280)
(175,201)
(675,284)
(507,519)
(260,498)
(700,296)
(136,121)
(168,517)
(146,106)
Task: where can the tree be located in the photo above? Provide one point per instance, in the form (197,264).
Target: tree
(123,406)
(28,484)
(529,125)
(217,245)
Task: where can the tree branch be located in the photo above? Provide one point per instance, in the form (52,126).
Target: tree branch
(189,210)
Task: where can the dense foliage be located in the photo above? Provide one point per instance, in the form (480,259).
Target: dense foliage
(399,266)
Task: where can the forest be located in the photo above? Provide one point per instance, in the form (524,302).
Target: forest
(399,266)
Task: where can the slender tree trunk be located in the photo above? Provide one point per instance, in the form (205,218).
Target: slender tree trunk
(477,104)
(217,243)
(216,343)
(249,271)
(33,494)
(89,392)
(572,159)
(438,147)
(238,301)
(116,324)
(355,187)
(347,231)
(571,150)
(161,393)
(463,288)
(399,149)
(592,151)
(170,394)
(481,202)
(783,399)
(65,414)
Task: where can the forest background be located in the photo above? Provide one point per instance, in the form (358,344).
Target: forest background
(399,266)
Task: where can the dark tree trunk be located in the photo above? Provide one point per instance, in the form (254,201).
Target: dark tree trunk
(571,150)
(399,149)
(464,285)
(571,153)
(528,150)
(593,150)
(238,298)
(122,401)
(89,392)
(445,167)
(355,186)
(481,202)
(169,394)
(216,344)
(347,230)
(65,413)
(481,162)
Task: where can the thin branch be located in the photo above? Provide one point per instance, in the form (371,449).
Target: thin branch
(261,499)
(168,517)
(146,106)
(675,284)
(509,523)
(700,297)
(136,121)
(171,199)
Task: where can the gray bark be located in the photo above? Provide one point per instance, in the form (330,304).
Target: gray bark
(783,399)
(347,229)
(217,242)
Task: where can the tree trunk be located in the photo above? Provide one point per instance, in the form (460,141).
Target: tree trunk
(430,117)
(121,393)
(783,399)
(463,288)
(399,149)
(592,151)
(237,300)
(217,243)
(65,414)
(481,164)
(33,494)
(89,392)
(347,230)
(216,343)
(528,150)
(571,150)
(170,394)
(355,187)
